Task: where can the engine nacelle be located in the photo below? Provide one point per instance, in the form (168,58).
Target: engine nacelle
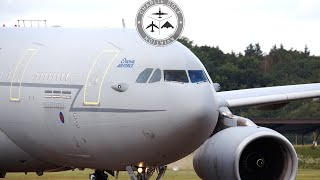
(246,153)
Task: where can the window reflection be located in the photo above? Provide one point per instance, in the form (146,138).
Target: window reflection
(176,76)
(197,76)
(144,75)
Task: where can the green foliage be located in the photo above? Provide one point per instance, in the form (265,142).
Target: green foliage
(308,151)
(258,69)
(308,157)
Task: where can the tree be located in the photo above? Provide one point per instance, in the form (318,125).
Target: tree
(284,67)
(185,41)
(306,51)
(254,50)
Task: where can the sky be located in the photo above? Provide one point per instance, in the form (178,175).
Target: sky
(230,24)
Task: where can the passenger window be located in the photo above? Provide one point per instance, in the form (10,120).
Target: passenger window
(42,76)
(156,77)
(62,77)
(37,75)
(67,77)
(197,76)
(176,76)
(144,75)
(58,77)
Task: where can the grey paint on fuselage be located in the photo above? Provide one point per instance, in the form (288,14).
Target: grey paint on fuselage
(78,88)
(155,123)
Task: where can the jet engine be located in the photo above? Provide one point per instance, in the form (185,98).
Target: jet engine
(246,153)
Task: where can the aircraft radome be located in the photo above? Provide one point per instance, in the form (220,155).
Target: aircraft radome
(104,99)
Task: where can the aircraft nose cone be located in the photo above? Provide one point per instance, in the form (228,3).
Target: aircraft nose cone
(191,116)
(203,118)
(198,115)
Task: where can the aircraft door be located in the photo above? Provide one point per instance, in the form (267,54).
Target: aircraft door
(18,74)
(96,76)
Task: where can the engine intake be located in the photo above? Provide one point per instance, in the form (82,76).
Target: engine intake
(246,153)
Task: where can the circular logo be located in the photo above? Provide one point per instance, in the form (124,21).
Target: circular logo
(159,22)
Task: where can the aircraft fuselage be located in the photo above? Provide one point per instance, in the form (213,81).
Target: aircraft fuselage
(70,98)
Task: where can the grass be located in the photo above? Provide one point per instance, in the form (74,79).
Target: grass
(308,156)
(308,174)
(303,174)
(308,150)
(309,169)
(84,175)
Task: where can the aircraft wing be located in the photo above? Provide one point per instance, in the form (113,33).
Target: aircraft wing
(149,26)
(268,95)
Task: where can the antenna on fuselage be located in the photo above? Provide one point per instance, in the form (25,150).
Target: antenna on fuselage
(123,24)
(32,23)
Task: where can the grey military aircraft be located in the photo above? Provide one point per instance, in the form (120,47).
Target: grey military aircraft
(104,99)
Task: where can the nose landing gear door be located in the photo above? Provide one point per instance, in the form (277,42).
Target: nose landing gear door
(96,76)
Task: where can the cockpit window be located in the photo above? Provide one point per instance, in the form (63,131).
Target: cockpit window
(144,75)
(197,76)
(156,77)
(176,76)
